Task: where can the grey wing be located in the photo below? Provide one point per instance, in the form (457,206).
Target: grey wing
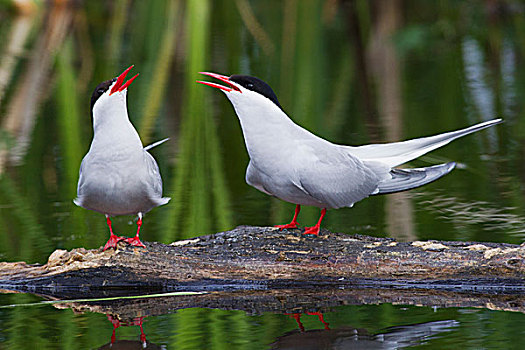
(253,178)
(81,178)
(81,182)
(337,179)
(154,178)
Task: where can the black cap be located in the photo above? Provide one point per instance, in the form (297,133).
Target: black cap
(257,85)
(100,90)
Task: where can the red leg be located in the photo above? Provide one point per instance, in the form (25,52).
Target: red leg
(113,240)
(135,241)
(297,318)
(294,223)
(138,322)
(116,324)
(314,230)
(321,318)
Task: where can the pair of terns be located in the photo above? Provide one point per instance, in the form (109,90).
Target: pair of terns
(118,176)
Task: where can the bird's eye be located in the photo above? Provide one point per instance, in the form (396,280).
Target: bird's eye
(250,85)
(100,91)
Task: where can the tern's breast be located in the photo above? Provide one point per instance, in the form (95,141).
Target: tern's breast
(116,187)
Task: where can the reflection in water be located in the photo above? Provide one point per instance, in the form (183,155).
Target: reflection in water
(202,202)
(353,338)
(297,318)
(128,344)
(508,76)
(476,79)
(16,39)
(23,105)
(29,244)
(259,318)
(481,92)
(464,213)
(385,63)
(400,217)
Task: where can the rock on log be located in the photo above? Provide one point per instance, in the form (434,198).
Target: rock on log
(261,258)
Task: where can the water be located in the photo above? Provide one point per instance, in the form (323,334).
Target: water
(353,73)
(383,326)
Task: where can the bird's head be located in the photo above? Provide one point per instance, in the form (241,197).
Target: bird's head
(110,95)
(244,91)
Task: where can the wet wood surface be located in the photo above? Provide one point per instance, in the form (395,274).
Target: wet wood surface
(262,258)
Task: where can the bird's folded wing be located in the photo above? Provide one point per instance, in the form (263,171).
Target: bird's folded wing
(253,178)
(154,179)
(337,179)
(81,178)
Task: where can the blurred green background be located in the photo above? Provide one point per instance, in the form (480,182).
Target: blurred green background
(351,71)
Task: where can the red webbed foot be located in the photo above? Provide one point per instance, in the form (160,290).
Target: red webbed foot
(290,225)
(314,230)
(112,241)
(135,241)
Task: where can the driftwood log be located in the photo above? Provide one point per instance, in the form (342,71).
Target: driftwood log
(260,269)
(264,258)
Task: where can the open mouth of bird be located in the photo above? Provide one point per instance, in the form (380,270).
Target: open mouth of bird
(120,85)
(223,78)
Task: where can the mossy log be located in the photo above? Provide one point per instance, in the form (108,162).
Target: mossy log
(263,258)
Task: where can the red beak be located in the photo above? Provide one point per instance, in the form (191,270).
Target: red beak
(118,85)
(222,78)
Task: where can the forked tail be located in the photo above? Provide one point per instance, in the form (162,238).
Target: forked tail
(406,179)
(396,153)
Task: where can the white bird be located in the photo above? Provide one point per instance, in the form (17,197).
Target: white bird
(118,176)
(290,163)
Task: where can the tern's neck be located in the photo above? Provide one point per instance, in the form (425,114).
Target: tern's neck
(265,127)
(111,127)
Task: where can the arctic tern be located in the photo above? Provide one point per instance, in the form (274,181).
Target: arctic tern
(118,176)
(291,163)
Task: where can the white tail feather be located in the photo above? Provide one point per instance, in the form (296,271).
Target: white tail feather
(155,144)
(397,153)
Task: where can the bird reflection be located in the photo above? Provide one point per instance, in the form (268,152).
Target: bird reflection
(353,338)
(297,318)
(127,344)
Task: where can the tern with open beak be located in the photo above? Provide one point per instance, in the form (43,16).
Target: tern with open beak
(118,176)
(293,164)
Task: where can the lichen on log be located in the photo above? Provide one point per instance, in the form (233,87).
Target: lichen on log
(260,258)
